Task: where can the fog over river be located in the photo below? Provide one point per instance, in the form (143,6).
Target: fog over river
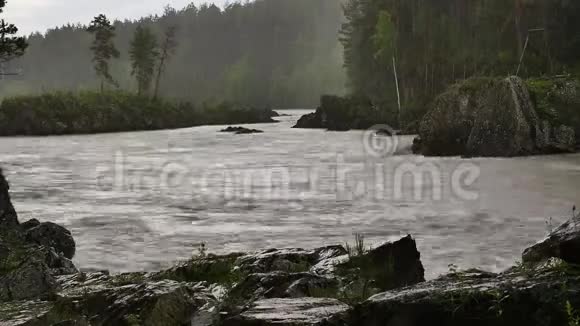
(143,200)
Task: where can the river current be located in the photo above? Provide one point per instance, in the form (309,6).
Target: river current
(143,200)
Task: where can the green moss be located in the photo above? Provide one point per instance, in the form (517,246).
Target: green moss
(476,84)
(133,320)
(128,278)
(18,253)
(212,269)
(540,93)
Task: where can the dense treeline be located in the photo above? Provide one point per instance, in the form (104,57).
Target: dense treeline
(283,53)
(61,113)
(438,42)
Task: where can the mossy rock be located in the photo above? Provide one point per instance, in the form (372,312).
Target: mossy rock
(557,99)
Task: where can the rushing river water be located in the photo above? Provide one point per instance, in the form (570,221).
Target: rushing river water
(142,200)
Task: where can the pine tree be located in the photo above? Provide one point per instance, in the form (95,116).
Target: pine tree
(167,49)
(11,46)
(143,55)
(103,48)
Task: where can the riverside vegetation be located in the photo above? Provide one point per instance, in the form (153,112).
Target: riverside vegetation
(356,285)
(113,111)
(418,52)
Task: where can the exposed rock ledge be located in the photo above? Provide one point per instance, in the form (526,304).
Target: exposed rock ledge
(329,286)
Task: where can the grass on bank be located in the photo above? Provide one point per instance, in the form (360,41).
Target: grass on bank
(61,113)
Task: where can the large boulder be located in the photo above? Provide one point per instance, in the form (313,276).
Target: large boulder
(520,296)
(489,117)
(133,299)
(8,216)
(388,266)
(53,235)
(563,243)
(30,280)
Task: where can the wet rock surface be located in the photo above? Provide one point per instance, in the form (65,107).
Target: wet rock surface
(8,216)
(241,130)
(563,243)
(289,312)
(54,236)
(490,117)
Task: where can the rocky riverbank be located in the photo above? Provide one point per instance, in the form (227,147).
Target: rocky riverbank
(334,286)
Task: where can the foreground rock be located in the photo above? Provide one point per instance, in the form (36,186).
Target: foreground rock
(489,117)
(289,312)
(518,297)
(563,243)
(54,236)
(8,216)
(241,130)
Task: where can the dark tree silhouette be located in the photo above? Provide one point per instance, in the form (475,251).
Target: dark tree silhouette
(103,48)
(11,46)
(143,55)
(167,50)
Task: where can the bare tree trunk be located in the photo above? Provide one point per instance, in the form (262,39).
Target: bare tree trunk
(398,93)
(158,77)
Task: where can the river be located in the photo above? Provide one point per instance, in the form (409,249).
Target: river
(143,200)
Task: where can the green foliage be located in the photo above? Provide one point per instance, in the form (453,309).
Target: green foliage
(103,48)
(572,314)
(11,46)
(557,99)
(384,36)
(112,111)
(359,247)
(540,90)
(143,55)
(439,42)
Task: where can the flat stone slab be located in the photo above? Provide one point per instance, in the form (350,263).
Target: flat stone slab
(289,312)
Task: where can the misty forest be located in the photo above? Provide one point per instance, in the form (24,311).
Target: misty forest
(279,53)
(291,162)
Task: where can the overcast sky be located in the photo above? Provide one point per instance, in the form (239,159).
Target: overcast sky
(39,15)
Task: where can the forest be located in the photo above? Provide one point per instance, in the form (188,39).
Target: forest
(436,43)
(279,53)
